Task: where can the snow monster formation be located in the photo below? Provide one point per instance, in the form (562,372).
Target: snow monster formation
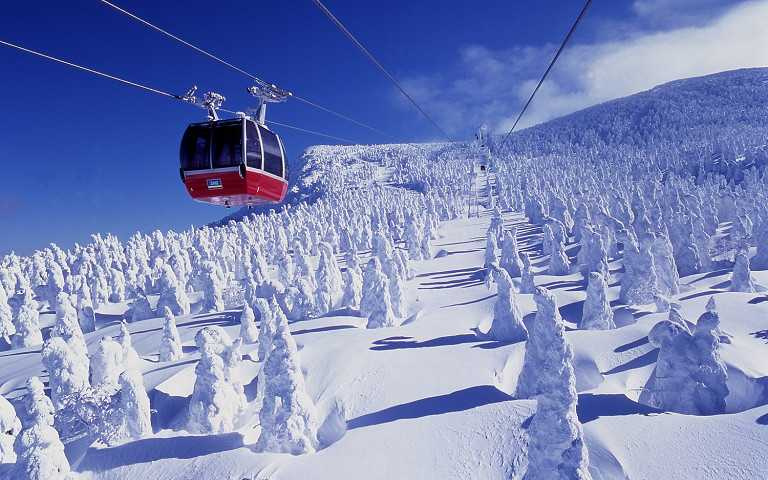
(690,376)
(556,449)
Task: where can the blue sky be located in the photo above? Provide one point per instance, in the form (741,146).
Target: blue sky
(82,154)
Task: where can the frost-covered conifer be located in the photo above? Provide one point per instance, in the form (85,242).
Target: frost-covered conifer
(27,324)
(67,325)
(266,326)
(741,278)
(597,313)
(527,282)
(413,237)
(556,448)
(68,374)
(376,304)
(491,253)
(638,285)
(172,294)
(288,417)
(213,289)
(171,348)
(664,264)
(39,451)
(353,286)
(7,328)
(248,330)
(140,307)
(217,399)
(9,428)
(689,377)
(116,285)
(85,314)
(328,281)
(546,336)
(558,260)
(134,405)
(507,323)
(760,260)
(130,356)
(397,294)
(510,255)
(107,365)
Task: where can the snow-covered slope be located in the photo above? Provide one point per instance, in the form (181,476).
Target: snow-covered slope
(436,396)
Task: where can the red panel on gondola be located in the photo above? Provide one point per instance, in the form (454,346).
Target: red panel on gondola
(228,188)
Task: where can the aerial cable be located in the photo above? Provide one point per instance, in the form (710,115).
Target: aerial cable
(183,98)
(236,68)
(377,63)
(311,132)
(91,70)
(546,72)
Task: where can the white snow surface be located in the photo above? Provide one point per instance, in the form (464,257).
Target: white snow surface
(432,398)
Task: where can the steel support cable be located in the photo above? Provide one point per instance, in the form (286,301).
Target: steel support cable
(549,68)
(152,89)
(378,64)
(236,68)
(91,70)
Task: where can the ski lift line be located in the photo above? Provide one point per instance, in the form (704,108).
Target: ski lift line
(152,89)
(311,132)
(91,70)
(236,68)
(549,68)
(378,64)
(340,115)
(180,40)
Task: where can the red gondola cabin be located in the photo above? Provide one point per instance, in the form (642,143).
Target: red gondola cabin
(236,162)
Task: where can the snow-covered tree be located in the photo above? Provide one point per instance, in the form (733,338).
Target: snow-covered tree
(27,324)
(107,365)
(507,323)
(491,253)
(7,327)
(741,279)
(527,282)
(67,372)
(288,417)
(353,287)
(689,376)
(134,405)
(267,314)
(510,255)
(217,399)
(39,451)
(375,303)
(249,332)
(140,308)
(9,428)
(328,281)
(85,314)
(556,449)
(638,285)
(130,356)
(171,348)
(172,293)
(597,313)
(559,264)
(213,289)
(67,326)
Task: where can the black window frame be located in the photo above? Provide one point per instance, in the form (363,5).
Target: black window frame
(272,152)
(231,138)
(254,153)
(187,153)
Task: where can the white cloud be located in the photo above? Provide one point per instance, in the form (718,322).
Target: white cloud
(491,85)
